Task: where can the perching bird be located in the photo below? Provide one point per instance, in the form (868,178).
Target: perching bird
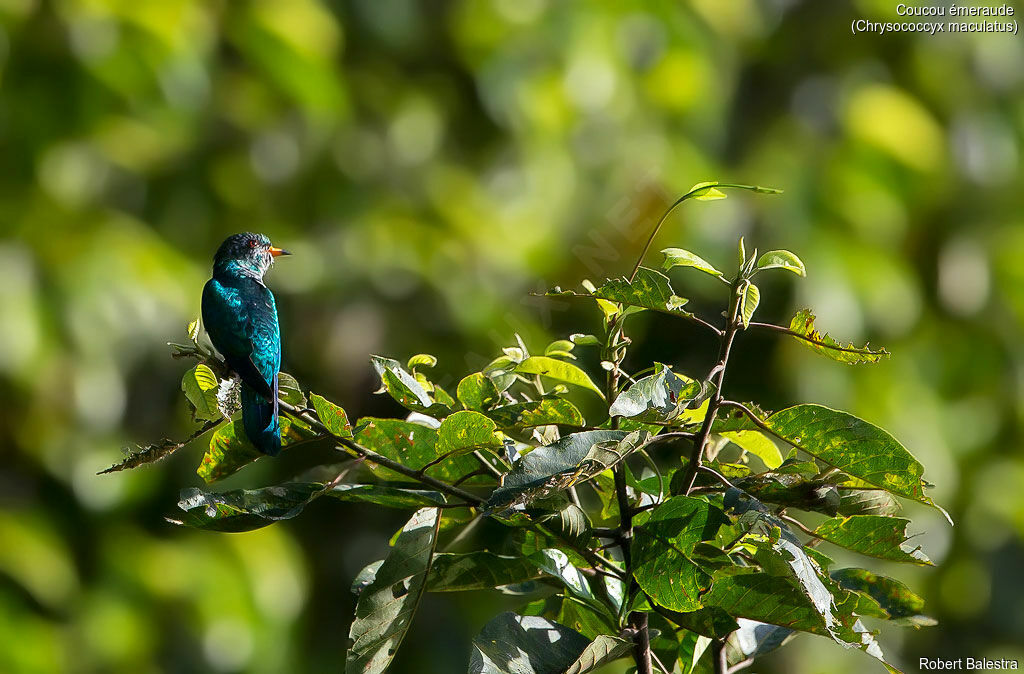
(240,316)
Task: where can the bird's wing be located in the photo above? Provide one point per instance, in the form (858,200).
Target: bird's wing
(242,324)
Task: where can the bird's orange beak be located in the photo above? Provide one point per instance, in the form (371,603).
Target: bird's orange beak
(278,251)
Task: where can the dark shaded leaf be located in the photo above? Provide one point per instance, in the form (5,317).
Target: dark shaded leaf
(598,653)
(663,547)
(793,491)
(803,325)
(894,597)
(479,570)
(386,606)
(156,451)
(515,644)
(874,536)
(383,495)
(245,509)
(289,390)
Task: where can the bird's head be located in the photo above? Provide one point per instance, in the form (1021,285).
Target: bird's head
(248,253)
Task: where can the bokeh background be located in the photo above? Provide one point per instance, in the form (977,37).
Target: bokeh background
(430,165)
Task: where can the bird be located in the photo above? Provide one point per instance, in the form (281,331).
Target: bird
(240,316)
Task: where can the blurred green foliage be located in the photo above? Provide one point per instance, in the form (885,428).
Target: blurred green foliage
(430,165)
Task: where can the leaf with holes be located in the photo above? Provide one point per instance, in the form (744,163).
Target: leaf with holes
(650,289)
(543,412)
(874,536)
(411,444)
(803,330)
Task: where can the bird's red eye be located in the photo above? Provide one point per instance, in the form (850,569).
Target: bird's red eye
(252,243)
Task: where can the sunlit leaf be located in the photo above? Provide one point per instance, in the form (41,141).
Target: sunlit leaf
(200,386)
(650,289)
(854,446)
(515,644)
(559,370)
(657,398)
(411,444)
(537,413)
(477,392)
(332,416)
(404,388)
(421,360)
(677,257)
(872,535)
(556,563)
(781,259)
(803,327)
(706,192)
(386,606)
(464,432)
(230,450)
(290,391)
(749,300)
(663,546)
(756,443)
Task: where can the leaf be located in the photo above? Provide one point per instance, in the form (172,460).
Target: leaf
(230,450)
(541,412)
(662,550)
(480,570)
(854,446)
(156,451)
(245,509)
(781,259)
(421,360)
(383,495)
(560,348)
(549,469)
(386,606)
(657,398)
(677,257)
(477,392)
(200,386)
(601,651)
(332,416)
(650,289)
(749,300)
(464,432)
(515,644)
(867,502)
(757,444)
(288,390)
(411,444)
(803,327)
(872,535)
(793,490)
(558,370)
(706,192)
(895,598)
(555,563)
(404,388)
(754,639)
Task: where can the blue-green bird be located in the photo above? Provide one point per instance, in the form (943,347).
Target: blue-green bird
(240,315)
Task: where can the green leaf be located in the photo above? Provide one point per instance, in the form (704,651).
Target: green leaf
(757,444)
(706,191)
(650,289)
(755,639)
(895,598)
(792,490)
(677,257)
(663,547)
(854,446)
(556,564)
(200,386)
(405,389)
(560,348)
(555,467)
(386,606)
(480,570)
(872,535)
(559,370)
(288,390)
(601,651)
(383,495)
(156,451)
(464,432)
(477,392)
(245,509)
(411,444)
(781,259)
(230,450)
(515,644)
(541,412)
(421,360)
(867,502)
(749,300)
(803,327)
(332,416)
(657,398)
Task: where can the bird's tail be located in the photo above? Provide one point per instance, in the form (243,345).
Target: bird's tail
(259,417)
